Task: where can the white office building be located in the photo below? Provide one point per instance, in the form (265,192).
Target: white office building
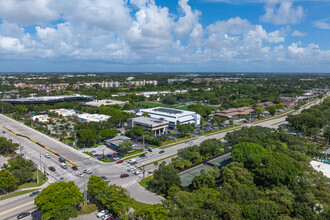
(173,116)
(64,112)
(40,118)
(86,117)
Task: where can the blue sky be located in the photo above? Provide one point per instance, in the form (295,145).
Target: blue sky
(164,35)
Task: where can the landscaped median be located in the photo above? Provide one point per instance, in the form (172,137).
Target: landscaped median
(17,193)
(41,145)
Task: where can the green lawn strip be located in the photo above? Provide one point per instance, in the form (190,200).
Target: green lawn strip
(14,194)
(42,180)
(138,205)
(278,123)
(157,161)
(133,153)
(178,140)
(224,130)
(136,155)
(87,209)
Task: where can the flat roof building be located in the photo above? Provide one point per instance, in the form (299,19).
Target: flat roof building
(99,103)
(232,112)
(40,118)
(116,141)
(173,116)
(49,99)
(86,117)
(150,124)
(64,112)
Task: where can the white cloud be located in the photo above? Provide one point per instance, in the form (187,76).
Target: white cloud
(10,45)
(323,23)
(11,30)
(297,33)
(285,13)
(27,12)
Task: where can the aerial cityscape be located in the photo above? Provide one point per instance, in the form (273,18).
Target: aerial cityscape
(155,110)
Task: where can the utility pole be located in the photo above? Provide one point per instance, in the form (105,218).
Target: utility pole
(144,146)
(20,148)
(38,169)
(85,191)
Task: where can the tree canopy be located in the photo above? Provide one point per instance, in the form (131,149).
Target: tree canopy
(59,201)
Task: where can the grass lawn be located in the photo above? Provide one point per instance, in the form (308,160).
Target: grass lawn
(145,181)
(17,194)
(42,180)
(139,205)
(132,153)
(153,104)
(87,209)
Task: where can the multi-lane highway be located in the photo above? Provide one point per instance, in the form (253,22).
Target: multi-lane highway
(111,170)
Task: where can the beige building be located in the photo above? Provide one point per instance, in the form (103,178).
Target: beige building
(158,126)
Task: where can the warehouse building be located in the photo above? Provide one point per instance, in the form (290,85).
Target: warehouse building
(105,102)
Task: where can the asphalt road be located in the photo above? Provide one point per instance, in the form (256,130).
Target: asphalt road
(110,170)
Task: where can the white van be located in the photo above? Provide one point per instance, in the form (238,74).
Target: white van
(131,160)
(63,165)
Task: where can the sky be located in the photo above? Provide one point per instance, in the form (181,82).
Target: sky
(165,36)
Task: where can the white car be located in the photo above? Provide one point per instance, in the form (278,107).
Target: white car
(47,156)
(102,213)
(131,169)
(137,172)
(106,216)
(88,171)
(80,174)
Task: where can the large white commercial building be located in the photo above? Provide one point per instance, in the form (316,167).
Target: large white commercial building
(174,116)
(99,103)
(64,112)
(86,117)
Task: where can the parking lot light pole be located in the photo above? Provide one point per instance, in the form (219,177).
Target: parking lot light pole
(143,170)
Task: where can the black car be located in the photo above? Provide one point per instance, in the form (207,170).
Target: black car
(133,163)
(162,151)
(51,168)
(75,168)
(34,193)
(149,150)
(104,177)
(24,214)
(142,155)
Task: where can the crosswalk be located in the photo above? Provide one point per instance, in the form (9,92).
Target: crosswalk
(130,183)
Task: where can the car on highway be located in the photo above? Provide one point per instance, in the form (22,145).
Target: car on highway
(61,179)
(80,175)
(63,165)
(104,177)
(3,132)
(75,168)
(102,213)
(142,155)
(131,169)
(47,156)
(134,162)
(149,149)
(34,193)
(139,171)
(88,171)
(150,172)
(124,175)
(51,168)
(23,215)
(61,159)
(119,161)
(93,151)
(162,151)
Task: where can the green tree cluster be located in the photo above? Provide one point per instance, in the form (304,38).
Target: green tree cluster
(7,147)
(59,200)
